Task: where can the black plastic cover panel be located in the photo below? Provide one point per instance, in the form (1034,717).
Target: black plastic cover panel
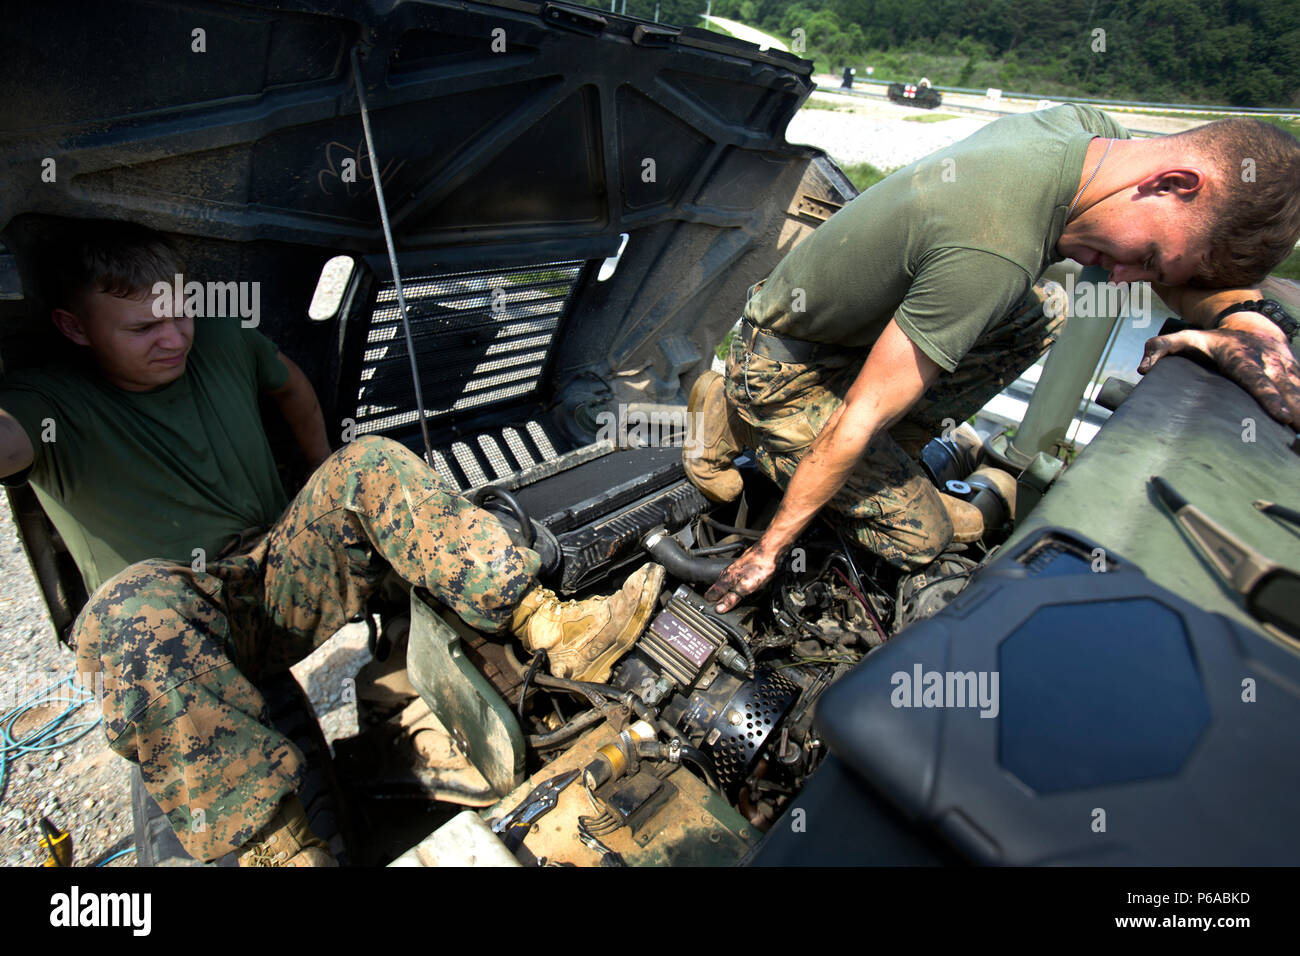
(1085,718)
(508,135)
(491,120)
(1082,710)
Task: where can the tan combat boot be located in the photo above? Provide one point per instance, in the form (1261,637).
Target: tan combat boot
(967,520)
(583,639)
(717,437)
(966,438)
(287,840)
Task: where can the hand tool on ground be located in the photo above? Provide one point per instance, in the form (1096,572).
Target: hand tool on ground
(58,843)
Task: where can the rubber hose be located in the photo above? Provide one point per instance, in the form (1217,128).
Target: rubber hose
(697,757)
(736,636)
(562,735)
(732,529)
(511,502)
(740,642)
(638,706)
(669,552)
(718,549)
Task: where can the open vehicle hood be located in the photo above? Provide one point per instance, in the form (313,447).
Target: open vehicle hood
(508,134)
(517,144)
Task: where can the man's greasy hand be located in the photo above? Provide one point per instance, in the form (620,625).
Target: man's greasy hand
(1257,359)
(742,578)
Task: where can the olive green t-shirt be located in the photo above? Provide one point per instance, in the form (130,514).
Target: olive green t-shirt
(944,245)
(126,476)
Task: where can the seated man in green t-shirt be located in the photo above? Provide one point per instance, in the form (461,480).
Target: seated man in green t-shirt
(138,438)
(146,443)
(916,302)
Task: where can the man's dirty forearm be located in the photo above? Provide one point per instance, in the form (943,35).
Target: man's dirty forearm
(894,376)
(822,472)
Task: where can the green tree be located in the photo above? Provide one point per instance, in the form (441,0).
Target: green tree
(1245,52)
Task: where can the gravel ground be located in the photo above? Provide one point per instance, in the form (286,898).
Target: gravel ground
(79,784)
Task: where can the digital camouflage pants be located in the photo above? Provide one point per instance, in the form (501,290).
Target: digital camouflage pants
(180,649)
(887,504)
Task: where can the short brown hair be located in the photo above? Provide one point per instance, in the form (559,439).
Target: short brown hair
(1255,221)
(103,255)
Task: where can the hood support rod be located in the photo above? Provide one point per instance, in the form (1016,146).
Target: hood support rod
(392,256)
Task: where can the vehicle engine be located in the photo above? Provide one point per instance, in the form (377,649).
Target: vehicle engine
(705,707)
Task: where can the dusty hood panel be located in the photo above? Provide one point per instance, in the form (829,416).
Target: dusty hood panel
(500,129)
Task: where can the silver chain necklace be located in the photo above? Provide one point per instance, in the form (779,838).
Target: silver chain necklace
(1109,144)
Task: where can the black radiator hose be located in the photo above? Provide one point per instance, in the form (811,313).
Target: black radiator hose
(680,563)
(523,523)
(696,756)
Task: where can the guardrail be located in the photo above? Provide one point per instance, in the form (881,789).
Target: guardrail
(954,107)
(1134,104)
(1258,110)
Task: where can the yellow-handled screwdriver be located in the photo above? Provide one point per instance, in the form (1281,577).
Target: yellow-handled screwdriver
(58,843)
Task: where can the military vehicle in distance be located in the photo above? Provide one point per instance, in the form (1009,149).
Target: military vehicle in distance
(920,94)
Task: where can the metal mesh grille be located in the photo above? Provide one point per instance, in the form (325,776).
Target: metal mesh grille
(760,704)
(481,338)
(475,461)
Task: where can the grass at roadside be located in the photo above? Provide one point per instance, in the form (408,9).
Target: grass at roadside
(811,104)
(1292,126)
(1290,267)
(725,345)
(864,175)
(929,118)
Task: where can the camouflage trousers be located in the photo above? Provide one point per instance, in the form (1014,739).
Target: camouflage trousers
(180,649)
(887,504)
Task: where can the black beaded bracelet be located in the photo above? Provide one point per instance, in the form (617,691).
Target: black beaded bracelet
(1269,308)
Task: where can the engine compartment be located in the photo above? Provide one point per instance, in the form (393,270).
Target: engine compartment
(703,734)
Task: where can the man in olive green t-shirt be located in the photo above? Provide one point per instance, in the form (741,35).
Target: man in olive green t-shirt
(199,475)
(918,298)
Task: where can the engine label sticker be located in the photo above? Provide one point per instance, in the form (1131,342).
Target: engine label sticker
(682,639)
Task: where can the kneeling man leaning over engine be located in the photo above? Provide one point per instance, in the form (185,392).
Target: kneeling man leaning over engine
(917,303)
